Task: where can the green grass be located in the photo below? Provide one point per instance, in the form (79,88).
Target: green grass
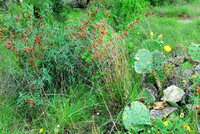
(10,120)
(174,32)
(179,10)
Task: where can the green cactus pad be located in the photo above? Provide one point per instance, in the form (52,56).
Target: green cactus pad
(169,69)
(179,51)
(164,127)
(136,116)
(149,98)
(143,65)
(194,51)
(157,60)
(173,104)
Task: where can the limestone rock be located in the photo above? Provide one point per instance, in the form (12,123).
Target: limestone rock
(159,105)
(173,93)
(162,113)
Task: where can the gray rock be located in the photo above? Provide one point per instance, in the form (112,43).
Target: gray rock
(188,73)
(197,69)
(177,81)
(177,61)
(152,89)
(173,93)
(162,113)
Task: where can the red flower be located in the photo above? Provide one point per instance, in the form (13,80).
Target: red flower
(198,91)
(65,28)
(137,21)
(103,32)
(104,24)
(99,25)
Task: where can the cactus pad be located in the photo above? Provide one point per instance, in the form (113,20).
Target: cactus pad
(194,51)
(136,116)
(173,104)
(149,98)
(157,60)
(143,65)
(179,51)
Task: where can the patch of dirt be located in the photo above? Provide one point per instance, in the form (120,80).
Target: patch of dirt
(185,21)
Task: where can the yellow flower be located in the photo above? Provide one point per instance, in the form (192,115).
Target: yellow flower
(166,123)
(149,106)
(148,62)
(180,27)
(149,131)
(167,48)
(176,90)
(138,32)
(160,36)
(125,116)
(151,33)
(182,115)
(188,128)
(184,81)
(41,130)
(194,76)
(0,29)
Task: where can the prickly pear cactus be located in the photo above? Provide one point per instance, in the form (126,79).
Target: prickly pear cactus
(173,104)
(164,127)
(157,60)
(136,116)
(179,51)
(169,69)
(143,63)
(194,51)
(149,98)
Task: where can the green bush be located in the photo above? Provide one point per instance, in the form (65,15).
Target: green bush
(126,11)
